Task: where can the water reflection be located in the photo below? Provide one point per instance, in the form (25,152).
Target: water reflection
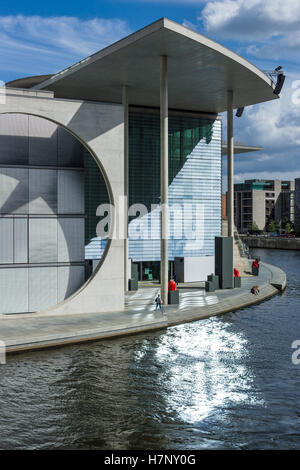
(207,370)
(224,382)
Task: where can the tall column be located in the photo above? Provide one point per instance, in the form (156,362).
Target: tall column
(125,104)
(164,177)
(230,155)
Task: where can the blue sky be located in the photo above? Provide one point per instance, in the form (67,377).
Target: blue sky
(44,37)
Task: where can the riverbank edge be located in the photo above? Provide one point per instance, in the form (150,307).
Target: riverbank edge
(271,243)
(276,285)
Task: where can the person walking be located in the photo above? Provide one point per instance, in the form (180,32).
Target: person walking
(158,302)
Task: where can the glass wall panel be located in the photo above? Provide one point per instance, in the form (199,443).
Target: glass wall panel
(70,240)
(42,288)
(20,240)
(14,139)
(42,142)
(42,191)
(42,240)
(14,290)
(70,192)
(70,150)
(37,185)
(6,240)
(14,190)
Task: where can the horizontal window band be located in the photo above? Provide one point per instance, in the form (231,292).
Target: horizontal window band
(40,167)
(42,265)
(43,216)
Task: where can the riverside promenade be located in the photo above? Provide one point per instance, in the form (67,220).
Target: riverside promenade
(21,332)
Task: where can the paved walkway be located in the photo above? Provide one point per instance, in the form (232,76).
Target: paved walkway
(30,331)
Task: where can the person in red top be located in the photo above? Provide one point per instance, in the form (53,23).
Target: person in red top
(172,285)
(255,264)
(236,273)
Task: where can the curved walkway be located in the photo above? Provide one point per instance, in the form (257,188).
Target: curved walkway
(33,331)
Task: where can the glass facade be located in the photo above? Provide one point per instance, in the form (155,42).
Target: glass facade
(51,187)
(194,185)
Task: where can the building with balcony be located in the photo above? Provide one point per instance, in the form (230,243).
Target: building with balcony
(263,201)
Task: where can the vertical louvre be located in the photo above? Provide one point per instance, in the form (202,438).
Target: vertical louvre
(194,184)
(95,194)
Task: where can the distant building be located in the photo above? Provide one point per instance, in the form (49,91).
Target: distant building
(297,204)
(224,206)
(261,201)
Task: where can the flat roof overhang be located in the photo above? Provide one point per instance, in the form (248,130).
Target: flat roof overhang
(27,82)
(200,72)
(240,148)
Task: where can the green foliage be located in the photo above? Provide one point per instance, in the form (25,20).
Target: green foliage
(254,227)
(278,225)
(271,226)
(288,227)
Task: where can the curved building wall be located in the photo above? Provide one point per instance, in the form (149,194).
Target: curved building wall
(42,213)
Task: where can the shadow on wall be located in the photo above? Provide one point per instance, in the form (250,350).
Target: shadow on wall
(42,213)
(102,123)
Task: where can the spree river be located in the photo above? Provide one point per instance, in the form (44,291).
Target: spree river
(227,382)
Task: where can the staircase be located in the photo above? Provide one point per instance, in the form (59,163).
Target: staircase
(240,261)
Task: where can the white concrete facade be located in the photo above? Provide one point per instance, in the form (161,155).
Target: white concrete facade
(194,269)
(100,127)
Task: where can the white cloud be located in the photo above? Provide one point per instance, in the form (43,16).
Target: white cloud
(35,44)
(265,18)
(268,30)
(275,126)
(273,23)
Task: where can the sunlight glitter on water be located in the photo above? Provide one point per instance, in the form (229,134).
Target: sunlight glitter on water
(216,375)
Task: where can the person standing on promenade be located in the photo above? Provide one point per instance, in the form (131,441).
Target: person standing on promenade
(158,302)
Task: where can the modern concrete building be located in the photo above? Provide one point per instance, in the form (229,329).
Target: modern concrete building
(136,123)
(262,201)
(297,205)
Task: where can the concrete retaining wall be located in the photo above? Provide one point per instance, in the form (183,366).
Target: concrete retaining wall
(279,243)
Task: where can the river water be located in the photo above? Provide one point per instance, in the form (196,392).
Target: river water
(227,382)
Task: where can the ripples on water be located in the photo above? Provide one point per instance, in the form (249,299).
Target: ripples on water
(222,383)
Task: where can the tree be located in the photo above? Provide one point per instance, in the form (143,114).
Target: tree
(278,225)
(271,226)
(288,227)
(254,227)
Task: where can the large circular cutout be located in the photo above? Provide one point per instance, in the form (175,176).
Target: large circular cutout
(50,188)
